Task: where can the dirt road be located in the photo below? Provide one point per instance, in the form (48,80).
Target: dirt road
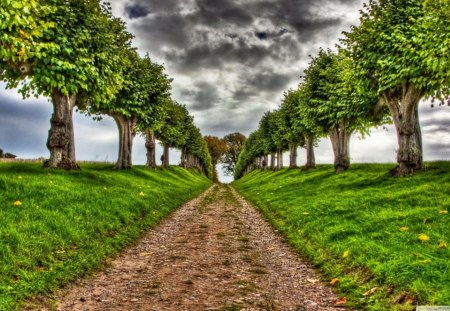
(214,253)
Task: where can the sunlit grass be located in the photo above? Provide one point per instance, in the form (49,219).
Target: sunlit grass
(57,225)
(365,227)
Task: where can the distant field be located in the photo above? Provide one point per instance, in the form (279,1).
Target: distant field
(56,226)
(365,228)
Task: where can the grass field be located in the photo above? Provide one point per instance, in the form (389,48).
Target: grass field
(365,228)
(56,226)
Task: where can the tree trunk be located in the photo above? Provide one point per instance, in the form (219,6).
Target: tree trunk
(404,107)
(292,156)
(279,159)
(340,140)
(272,161)
(150,145)
(265,161)
(126,136)
(310,157)
(166,156)
(61,138)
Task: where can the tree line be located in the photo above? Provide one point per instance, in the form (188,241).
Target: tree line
(379,73)
(80,56)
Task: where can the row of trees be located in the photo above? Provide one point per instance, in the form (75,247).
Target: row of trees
(382,70)
(79,55)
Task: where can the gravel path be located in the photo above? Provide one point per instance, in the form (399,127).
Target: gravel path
(214,253)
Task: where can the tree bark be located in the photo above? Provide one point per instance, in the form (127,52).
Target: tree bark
(279,159)
(61,138)
(310,157)
(272,161)
(126,136)
(150,145)
(292,156)
(166,156)
(340,140)
(404,107)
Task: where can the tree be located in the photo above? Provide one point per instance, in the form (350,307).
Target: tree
(138,105)
(337,105)
(304,124)
(217,148)
(235,143)
(401,50)
(172,133)
(294,137)
(70,51)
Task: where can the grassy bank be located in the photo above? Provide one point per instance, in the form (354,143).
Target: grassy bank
(365,228)
(56,226)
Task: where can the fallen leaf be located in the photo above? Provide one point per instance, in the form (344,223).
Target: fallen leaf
(404,228)
(370,291)
(141,194)
(341,301)
(345,254)
(423,237)
(17,203)
(334,281)
(442,212)
(145,254)
(305,213)
(312,281)
(442,244)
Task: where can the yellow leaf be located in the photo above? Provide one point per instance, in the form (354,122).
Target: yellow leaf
(443,244)
(305,213)
(370,291)
(21,52)
(443,212)
(423,237)
(345,254)
(404,229)
(17,203)
(312,280)
(141,194)
(334,281)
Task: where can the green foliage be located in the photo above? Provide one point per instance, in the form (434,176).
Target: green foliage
(374,217)
(145,92)
(235,143)
(63,230)
(254,147)
(71,47)
(173,130)
(333,96)
(403,42)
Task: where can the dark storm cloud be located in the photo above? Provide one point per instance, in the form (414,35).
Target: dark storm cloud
(136,10)
(203,96)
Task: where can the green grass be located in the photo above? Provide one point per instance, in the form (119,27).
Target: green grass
(68,223)
(362,211)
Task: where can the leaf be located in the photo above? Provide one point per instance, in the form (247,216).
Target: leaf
(334,281)
(404,228)
(17,203)
(423,237)
(443,212)
(442,245)
(345,254)
(313,281)
(341,301)
(370,291)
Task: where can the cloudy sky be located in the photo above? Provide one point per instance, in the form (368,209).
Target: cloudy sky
(231,60)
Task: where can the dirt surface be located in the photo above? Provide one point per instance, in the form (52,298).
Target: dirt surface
(214,253)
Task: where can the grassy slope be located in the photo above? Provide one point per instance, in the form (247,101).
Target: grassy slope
(361,212)
(70,222)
